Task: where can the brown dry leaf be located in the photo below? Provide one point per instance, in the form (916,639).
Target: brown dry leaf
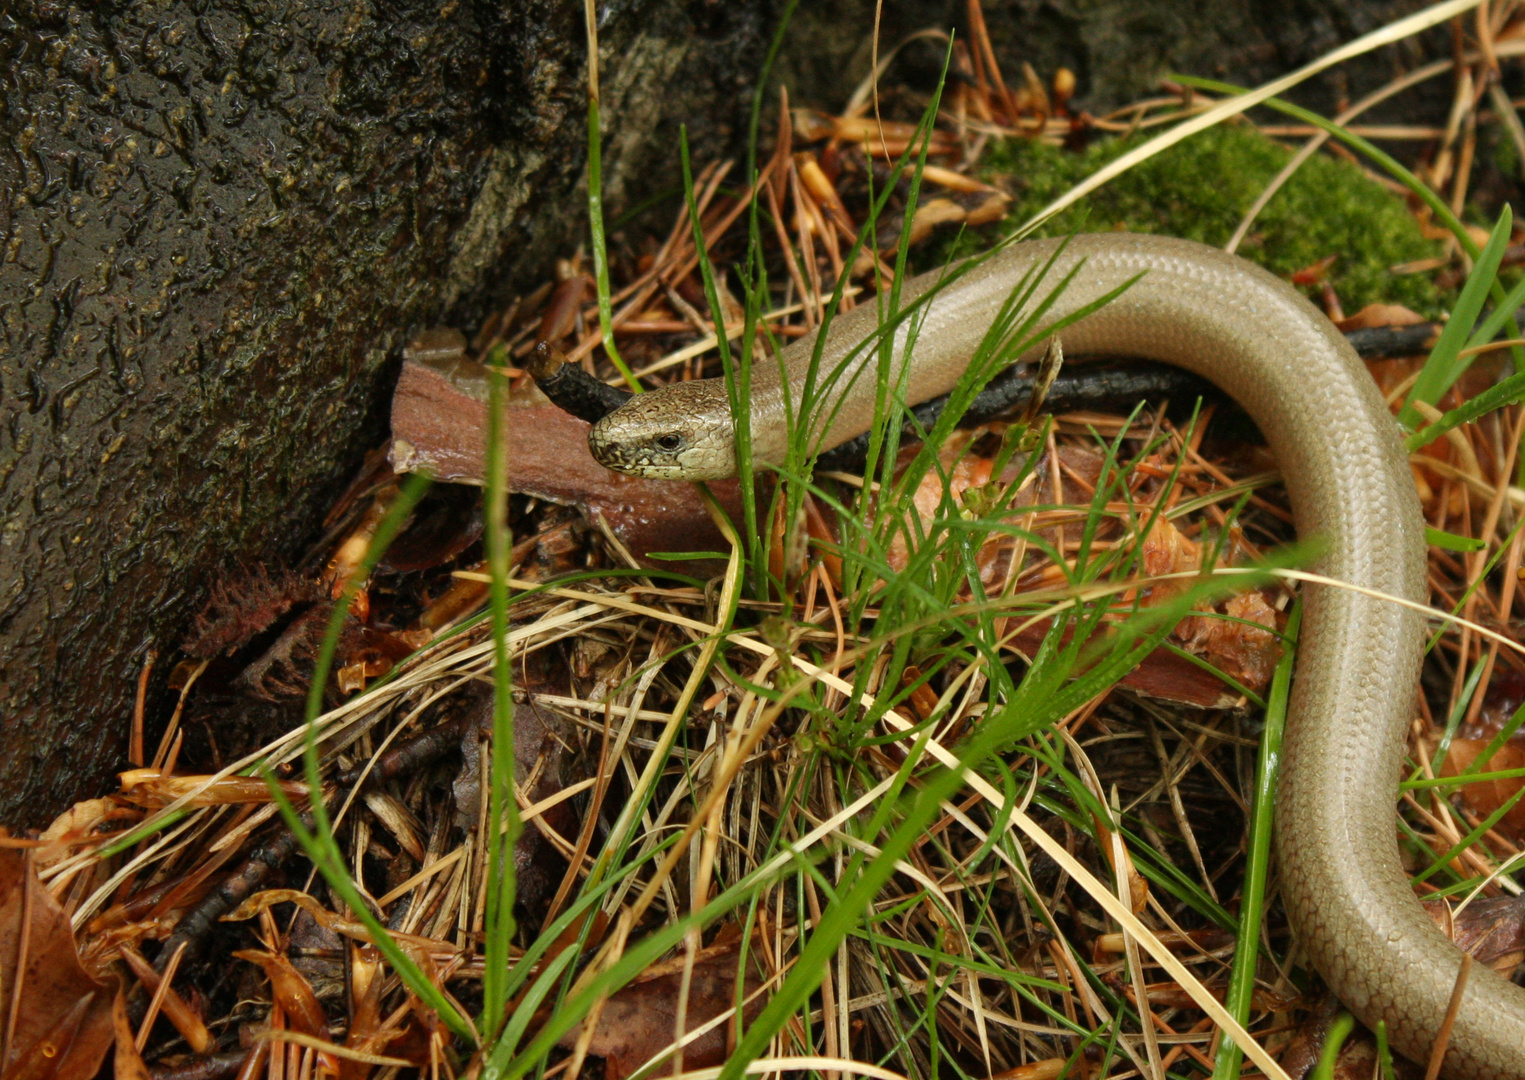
(1167,550)
(291,991)
(963,473)
(1486,796)
(641,1020)
(884,140)
(1374,315)
(63,1021)
(1241,650)
(543,766)
(328,920)
(1047,1069)
(268,898)
(174,1008)
(1491,928)
(1357,1059)
(128,1063)
(958,208)
(1138,884)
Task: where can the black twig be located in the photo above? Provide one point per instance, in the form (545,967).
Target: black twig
(571,388)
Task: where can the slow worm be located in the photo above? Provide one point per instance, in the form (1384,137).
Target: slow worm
(1266,346)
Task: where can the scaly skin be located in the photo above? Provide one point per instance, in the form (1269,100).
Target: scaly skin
(1348,477)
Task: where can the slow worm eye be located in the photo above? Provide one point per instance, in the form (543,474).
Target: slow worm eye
(669,442)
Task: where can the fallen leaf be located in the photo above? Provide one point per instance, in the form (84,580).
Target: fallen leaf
(1358,1055)
(1246,650)
(74,826)
(1486,796)
(640,1021)
(1491,928)
(128,1063)
(368,1031)
(1375,315)
(543,766)
(63,1016)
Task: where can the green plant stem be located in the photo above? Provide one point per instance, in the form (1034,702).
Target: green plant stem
(1241,982)
(738,370)
(596,205)
(1334,1042)
(502,807)
(319,843)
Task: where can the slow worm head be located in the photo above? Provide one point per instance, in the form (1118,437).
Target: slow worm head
(1358,658)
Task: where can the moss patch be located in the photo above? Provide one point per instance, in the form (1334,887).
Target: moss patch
(1201,188)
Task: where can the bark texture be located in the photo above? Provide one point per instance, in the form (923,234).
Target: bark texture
(219,219)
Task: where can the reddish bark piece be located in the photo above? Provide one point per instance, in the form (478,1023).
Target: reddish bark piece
(63,1015)
(641,1020)
(439,425)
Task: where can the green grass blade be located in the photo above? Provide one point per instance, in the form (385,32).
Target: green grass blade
(1500,315)
(738,371)
(1506,392)
(1241,980)
(1445,364)
(599,245)
(1334,1042)
(502,806)
(1384,1055)
(319,843)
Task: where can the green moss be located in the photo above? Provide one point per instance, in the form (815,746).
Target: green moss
(1500,148)
(1201,188)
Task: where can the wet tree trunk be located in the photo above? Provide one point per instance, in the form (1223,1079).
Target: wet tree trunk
(219,220)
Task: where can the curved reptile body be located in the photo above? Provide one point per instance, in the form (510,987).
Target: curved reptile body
(1349,481)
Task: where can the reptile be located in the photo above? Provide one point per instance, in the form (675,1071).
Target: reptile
(1347,476)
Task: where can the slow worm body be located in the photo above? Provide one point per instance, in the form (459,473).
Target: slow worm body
(1349,482)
